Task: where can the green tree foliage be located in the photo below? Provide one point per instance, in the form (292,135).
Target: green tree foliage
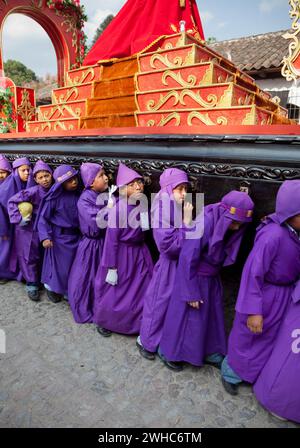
(18,72)
(211,40)
(102,27)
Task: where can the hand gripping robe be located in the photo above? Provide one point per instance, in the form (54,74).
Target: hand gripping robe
(268,278)
(9,187)
(29,251)
(169,237)
(139,23)
(58,221)
(89,253)
(278,388)
(190,334)
(119,308)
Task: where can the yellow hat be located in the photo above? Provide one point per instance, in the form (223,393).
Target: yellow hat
(25,209)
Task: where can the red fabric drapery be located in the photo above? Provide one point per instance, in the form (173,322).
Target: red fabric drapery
(139,23)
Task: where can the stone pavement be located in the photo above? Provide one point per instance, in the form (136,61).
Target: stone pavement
(56,373)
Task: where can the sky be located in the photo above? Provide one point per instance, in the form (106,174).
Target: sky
(24,40)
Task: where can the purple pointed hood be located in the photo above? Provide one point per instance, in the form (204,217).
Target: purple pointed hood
(171,178)
(13,184)
(126,175)
(164,211)
(41,166)
(88,172)
(4,164)
(288,200)
(61,174)
(234,206)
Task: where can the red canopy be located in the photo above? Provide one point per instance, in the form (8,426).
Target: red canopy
(139,23)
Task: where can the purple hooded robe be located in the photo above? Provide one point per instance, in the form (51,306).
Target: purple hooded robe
(278,386)
(89,253)
(119,308)
(269,275)
(5,166)
(58,221)
(191,334)
(169,239)
(29,251)
(9,187)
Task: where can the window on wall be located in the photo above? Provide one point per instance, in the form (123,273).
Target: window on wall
(290,99)
(282,94)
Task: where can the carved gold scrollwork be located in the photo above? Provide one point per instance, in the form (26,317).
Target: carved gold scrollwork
(26,110)
(179,97)
(175,63)
(191,80)
(60,109)
(288,70)
(86,76)
(165,120)
(245,101)
(58,125)
(151,106)
(205,119)
(64,98)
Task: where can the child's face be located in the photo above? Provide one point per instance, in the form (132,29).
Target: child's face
(295,222)
(23,172)
(100,182)
(43,178)
(3,174)
(235,225)
(180,193)
(135,187)
(71,184)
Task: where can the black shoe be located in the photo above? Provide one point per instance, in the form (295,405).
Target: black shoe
(53,296)
(232,389)
(175,366)
(104,332)
(34,295)
(145,353)
(3,281)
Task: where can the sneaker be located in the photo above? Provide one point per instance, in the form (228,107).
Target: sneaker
(145,353)
(230,388)
(53,296)
(104,332)
(175,366)
(34,295)
(278,417)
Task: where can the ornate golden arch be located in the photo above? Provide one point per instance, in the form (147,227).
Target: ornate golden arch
(291,63)
(61,25)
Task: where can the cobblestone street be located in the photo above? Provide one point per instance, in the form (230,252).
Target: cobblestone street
(56,373)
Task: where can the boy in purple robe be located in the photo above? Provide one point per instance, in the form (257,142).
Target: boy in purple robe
(20,179)
(126,266)
(169,237)
(5,168)
(269,275)
(278,387)
(89,253)
(58,227)
(26,239)
(194,330)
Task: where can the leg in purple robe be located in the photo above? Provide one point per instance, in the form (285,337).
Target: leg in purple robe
(277,387)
